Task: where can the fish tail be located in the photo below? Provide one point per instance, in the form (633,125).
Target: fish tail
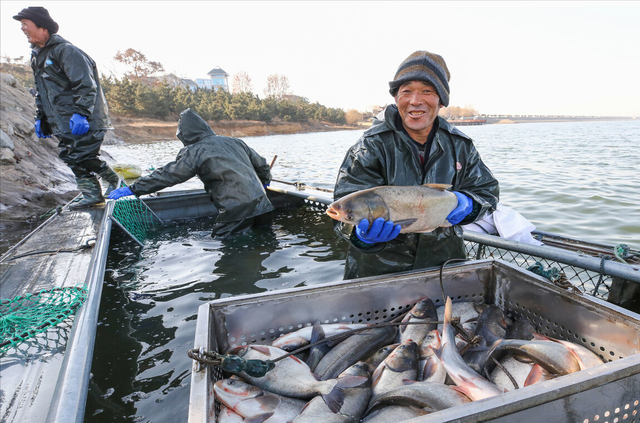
(334,399)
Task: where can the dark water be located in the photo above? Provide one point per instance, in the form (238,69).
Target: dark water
(150,300)
(577,179)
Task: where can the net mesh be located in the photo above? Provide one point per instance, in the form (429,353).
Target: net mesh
(136,217)
(27,315)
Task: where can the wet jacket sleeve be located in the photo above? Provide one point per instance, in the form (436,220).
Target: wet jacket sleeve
(79,70)
(260,165)
(182,169)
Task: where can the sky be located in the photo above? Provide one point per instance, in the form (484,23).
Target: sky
(576,58)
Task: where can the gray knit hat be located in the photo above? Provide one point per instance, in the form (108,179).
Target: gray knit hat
(39,16)
(426,67)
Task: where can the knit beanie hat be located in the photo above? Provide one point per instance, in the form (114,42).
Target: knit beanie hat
(426,67)
(39,16)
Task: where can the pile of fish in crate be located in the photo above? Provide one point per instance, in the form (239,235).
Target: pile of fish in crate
(425,357)
(395,373)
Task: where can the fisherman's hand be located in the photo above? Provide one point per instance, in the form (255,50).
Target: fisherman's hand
(381,231)
(39,130)
(120,192)
(465,206)
(266,185)
(78,124)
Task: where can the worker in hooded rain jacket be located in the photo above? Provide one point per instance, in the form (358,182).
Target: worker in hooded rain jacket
(234,175)
(411,145)
(70,103)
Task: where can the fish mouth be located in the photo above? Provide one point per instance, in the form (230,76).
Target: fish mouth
(335,214)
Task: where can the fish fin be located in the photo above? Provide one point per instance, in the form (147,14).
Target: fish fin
(534,376)
(405,222)
(317,376)
(430,368)
(441,187)
(260,348)
(351,381)
(405,319)
(317,333)
(426,231)
(409,381)
(437,352)
(377,373)
(296,359)
(464,391)
(334,399)
(445,224)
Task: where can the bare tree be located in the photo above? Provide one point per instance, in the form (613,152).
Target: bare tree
(241,83)
(142,68)
(277,86)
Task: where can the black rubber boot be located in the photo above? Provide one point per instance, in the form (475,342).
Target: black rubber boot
(111,178)
(91,193)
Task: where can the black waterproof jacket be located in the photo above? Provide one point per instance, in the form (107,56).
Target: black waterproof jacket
(67,82)
(232,172)
(385,155)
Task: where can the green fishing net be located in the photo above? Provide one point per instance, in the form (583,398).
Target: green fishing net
(135,217)
(27,315)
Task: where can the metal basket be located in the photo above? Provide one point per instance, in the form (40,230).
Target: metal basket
(607,393)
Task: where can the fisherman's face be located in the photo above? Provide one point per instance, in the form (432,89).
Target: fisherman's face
(36,36)
(418,104)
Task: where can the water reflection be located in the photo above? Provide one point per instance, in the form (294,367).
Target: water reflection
(147,318)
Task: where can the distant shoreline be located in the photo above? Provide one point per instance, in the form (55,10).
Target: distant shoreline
(541,119)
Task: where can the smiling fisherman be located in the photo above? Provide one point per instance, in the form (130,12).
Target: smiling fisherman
(234,175)
(70,103)
(411,145)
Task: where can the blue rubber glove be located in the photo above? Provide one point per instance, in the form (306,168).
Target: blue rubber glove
(266,185)
(39,130)
(78,124)
(120,192)
(381,231)
(465,206)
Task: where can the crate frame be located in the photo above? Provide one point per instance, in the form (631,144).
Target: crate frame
(610,392)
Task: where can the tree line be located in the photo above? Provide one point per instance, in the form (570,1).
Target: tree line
(137,98)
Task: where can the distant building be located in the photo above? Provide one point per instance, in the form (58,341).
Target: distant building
(218,80)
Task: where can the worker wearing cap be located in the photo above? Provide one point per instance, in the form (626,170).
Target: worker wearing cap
(409,144)
(70,103)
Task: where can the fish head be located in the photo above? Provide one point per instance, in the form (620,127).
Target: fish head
(358,369)
(423,309)
(231,391)
(403,357)
(359,205)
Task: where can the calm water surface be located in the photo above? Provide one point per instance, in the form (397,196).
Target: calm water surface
(577,179)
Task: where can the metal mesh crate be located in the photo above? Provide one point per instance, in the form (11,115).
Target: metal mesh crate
(607,393)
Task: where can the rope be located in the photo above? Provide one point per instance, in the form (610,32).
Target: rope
(89,244)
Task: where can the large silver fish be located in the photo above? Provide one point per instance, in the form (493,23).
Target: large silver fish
(420,208)
(401,364)
(586,358)
(293,378)
(430,367)
(254,404)
(355,402)
(554,357)
(353,349)
(423,312)
(301,337)
(471,383)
